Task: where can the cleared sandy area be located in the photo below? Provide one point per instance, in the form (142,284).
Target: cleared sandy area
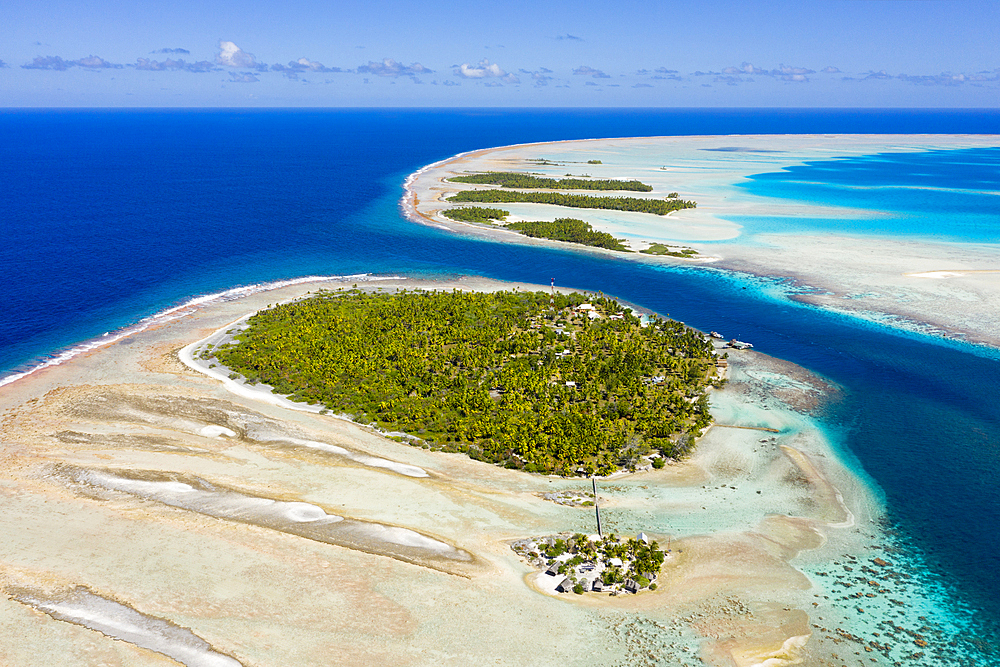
(950,289)
(150,510)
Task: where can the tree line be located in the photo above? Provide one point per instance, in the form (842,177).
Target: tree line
(501,376)
(475,214)
(510,179)
(642,205)
(568,229)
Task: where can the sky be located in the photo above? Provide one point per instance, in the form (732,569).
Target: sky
(389,53)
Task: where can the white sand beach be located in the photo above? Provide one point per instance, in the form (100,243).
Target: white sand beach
(876,278)
(153,510)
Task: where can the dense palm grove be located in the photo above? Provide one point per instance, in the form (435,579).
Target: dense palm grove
(642,205)
(571,230)
(578,388)
(510,179)
(476,214)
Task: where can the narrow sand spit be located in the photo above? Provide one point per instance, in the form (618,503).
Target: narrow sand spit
(150,511)
(875,278)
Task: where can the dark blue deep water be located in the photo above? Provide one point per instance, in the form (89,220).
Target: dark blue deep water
(110,216)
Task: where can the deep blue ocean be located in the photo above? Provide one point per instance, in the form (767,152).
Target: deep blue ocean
(110,216)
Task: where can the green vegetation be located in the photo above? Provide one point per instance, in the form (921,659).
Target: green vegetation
(500,376)
(568,229)
(594,162)
(671,251)
(510,179)
(475,214)
(655,206)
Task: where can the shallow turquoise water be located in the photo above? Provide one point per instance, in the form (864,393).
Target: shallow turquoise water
(946,195)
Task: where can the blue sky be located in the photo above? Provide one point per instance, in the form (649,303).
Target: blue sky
(817,53)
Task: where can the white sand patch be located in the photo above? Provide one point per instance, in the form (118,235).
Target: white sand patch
(407,537)
(218,503)
(260,394)
(214,431)
(124,623)
(364,459)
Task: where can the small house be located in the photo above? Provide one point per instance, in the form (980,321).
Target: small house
(597,586)
(565,586)
(632,586)
(553,570)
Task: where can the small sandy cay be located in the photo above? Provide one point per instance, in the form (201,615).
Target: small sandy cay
(934,286)
(154,514)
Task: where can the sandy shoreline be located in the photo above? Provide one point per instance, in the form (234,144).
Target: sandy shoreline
(946,289)
(136,488)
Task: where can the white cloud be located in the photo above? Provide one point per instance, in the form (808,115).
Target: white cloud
(243,77)
(170,64)
(96,62)
(50,62)
(949,79)
(584,70)
(301,66)
(231,55)
(787,73)
(60,65)
(391,68)
(311,65)
(744,68)
(881,74)
(485,70)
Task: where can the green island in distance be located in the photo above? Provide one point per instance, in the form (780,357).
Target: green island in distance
(581,386)
(475,214)
(638,204)
(670,251)
(510,179)
(570,230)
